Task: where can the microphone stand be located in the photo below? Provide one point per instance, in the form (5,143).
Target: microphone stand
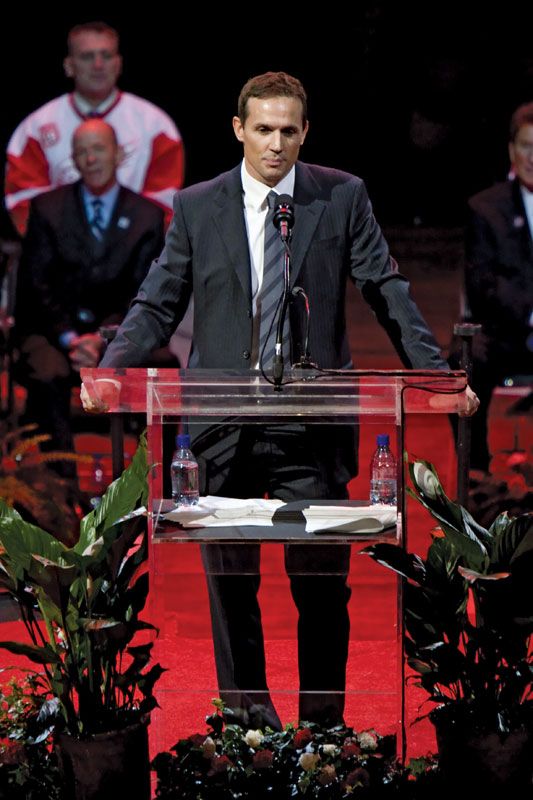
(278,361)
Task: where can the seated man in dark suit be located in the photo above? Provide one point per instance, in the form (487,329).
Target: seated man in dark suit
(87,250)
(499,277)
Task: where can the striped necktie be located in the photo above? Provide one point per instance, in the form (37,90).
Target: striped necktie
(97,221)
(272,290)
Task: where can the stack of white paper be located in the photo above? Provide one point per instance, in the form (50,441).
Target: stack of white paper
(349,519)
(215,512)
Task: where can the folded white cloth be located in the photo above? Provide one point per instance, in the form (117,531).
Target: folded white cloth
(349,519)
(212,511)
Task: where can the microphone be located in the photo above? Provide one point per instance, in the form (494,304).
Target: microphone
(284,216)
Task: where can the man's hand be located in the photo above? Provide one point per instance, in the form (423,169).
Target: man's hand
(85,351)
(472,403)
(89,405)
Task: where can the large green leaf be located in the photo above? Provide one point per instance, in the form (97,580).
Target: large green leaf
(121,497)
(452,517)
(8,512)
(54,579)
(21,541)
(394,557)
(514,542)
(39,655)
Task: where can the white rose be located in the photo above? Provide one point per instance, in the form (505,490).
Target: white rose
(253,738)
(329,749)
(367,740)
(209,747)
(426,480)
(308,761)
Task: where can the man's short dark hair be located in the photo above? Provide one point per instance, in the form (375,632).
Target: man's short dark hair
(91,27)
(522,116)
(271,84)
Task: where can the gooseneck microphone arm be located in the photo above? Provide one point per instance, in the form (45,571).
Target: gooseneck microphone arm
(283,220)
(305,358)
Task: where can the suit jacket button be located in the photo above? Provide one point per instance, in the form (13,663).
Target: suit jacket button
(246,354)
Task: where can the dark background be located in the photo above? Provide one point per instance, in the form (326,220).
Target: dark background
(415,98)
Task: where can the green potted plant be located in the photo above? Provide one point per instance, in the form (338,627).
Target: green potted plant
(81,607)
(468,635)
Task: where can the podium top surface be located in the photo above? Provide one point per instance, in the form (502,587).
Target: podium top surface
(311,394)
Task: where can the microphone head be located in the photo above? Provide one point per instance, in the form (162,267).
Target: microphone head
(284,211)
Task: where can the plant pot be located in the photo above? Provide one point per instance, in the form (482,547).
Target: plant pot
(106,764)
(485,759)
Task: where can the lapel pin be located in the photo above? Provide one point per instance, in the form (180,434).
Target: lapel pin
(518,222)
(123,222)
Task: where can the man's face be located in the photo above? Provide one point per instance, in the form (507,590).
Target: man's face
(272,136)
(521,155)
(94,64)
(96,155)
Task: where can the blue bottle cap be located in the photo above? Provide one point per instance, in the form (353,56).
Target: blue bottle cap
(183,440)
(383,440)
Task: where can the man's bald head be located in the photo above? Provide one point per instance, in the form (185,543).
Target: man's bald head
(97,154)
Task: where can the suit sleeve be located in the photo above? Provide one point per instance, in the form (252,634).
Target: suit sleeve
(38,308)
(386,290)
(160,303)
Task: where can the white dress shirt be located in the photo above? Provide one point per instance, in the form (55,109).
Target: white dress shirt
(255,212)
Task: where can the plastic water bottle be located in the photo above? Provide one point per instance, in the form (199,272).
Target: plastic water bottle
(383,473)
(184,473)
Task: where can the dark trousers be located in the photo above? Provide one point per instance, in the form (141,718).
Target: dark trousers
(45,372)
(288,463)
(494,359)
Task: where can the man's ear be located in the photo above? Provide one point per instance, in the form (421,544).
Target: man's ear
(67,66)
(238,128)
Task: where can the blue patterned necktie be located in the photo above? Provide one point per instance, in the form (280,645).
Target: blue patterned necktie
(272,290)
(97,221)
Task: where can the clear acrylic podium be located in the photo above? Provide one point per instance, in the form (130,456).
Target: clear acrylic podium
(230,402)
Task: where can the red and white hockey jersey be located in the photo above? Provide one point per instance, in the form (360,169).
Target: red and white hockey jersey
(39,152)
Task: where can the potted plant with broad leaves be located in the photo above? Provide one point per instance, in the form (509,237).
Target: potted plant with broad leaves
(469,621)
(81,607)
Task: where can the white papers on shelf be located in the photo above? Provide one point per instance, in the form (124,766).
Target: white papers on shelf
(349,519)
(214,512)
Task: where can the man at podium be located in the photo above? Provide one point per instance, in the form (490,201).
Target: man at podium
(222,244)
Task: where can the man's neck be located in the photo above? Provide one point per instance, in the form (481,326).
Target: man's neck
(86,104)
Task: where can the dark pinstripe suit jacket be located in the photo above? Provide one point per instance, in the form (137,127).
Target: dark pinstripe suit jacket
(335,237)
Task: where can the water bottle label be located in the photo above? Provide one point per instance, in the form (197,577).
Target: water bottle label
(383,491)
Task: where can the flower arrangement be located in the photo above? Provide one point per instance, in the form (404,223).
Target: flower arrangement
(302,760)
(28,765)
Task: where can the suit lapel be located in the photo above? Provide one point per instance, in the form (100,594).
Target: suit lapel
(77,224)
(120,220)
(308,209)
(228,219)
